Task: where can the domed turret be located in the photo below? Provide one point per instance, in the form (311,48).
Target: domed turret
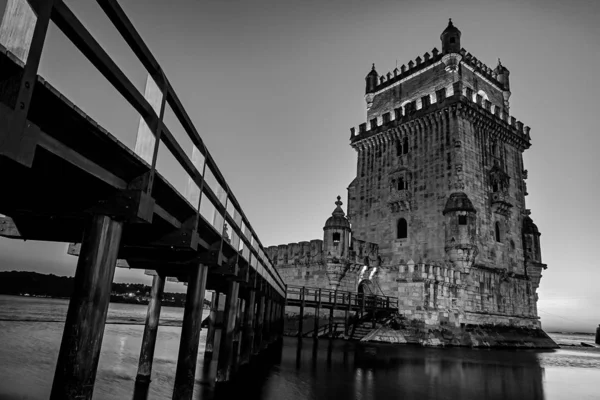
(450,39)
(371,79)
(338,218)
(461,231)
(502,75)
(531,240)
(336,244)
(458,201)
(336,240)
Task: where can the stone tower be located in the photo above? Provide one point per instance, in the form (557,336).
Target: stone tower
(440,188)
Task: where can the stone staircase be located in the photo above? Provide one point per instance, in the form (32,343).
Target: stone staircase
(361,329)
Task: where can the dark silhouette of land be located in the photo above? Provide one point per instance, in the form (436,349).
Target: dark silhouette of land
(25,283)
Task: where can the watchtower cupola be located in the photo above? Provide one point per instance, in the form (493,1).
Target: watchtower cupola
(371,79)
(336,233)
(450,39)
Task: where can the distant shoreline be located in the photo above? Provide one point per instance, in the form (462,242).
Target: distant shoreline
(114,299)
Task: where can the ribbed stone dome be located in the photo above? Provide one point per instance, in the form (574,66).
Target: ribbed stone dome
(338,217)
(450,29)
(458,201)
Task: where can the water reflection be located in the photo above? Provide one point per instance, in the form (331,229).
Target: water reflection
(308,369)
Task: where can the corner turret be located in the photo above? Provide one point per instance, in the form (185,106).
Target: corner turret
(450,39)
(336,233)
(502,76)
(371,80)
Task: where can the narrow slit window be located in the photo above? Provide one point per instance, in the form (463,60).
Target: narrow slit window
(497,232)
(405,146)
(401,184)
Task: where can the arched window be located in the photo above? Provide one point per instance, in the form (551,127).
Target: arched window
(336,238)
(497,232)
(402,231)
(405,146)
(398,147)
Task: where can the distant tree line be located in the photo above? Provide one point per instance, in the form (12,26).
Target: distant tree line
(20,283)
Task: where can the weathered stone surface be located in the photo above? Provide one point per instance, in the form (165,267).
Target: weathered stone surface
(438,204)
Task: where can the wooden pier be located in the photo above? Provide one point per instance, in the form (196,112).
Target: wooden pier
(332,300)
(66,179)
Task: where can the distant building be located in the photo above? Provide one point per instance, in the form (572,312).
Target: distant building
(436,213)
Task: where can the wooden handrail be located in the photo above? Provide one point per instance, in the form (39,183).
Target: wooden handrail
(75,31)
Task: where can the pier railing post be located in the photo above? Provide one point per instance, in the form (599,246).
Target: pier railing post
(190,334)
(143,378)
(84,328)
(225,362)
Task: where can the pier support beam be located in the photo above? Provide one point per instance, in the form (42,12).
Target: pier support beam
(248,328)
(143,378)
(84,328)
(224,366)
(190,334)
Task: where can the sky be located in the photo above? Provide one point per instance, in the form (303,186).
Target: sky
(274,86)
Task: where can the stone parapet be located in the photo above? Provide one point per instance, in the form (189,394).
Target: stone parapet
(454,94)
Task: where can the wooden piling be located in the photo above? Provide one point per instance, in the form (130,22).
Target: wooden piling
(258,330)
(374,316)
(347,314)
(190,335)
(143,378)
(267,321)
(248,327)
(317,313)
(237,336)
(84,327)
(225,362)
(301,316)
(212,321)
(331,314)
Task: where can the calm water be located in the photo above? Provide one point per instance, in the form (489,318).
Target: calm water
(30,333)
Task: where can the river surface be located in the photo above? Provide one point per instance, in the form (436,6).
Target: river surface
(31,329)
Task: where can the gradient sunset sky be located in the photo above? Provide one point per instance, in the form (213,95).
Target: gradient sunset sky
(274,86)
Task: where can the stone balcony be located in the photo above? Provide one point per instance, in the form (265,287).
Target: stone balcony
(400,200)
(501,203)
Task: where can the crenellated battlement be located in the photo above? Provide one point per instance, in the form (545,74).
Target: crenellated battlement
(393,122)
(480,67)
(418,65)
(361,252)
(422,64)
